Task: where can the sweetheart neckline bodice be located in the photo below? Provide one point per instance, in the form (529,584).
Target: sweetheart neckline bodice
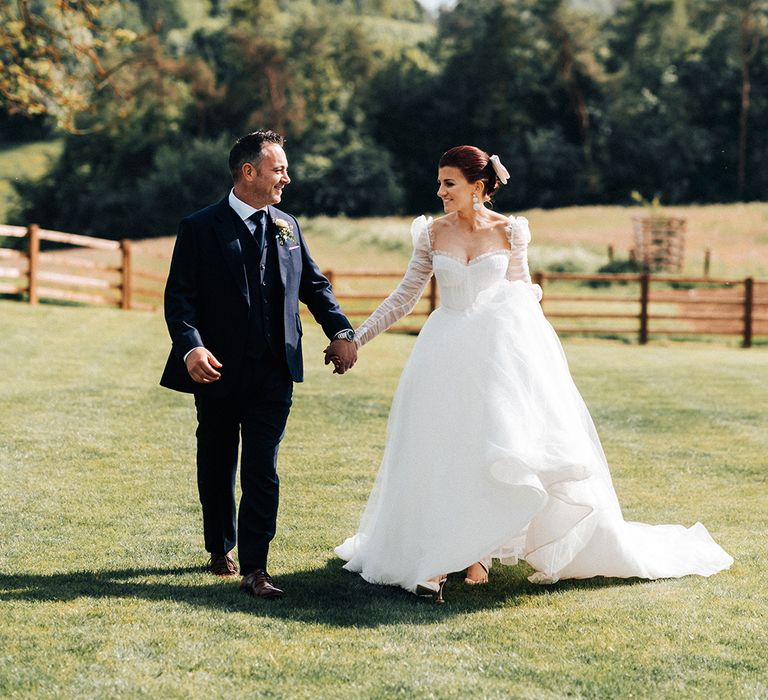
(469,263)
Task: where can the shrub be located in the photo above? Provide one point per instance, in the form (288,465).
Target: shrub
(182,180)
(564,266)
(356,180)
(615,267)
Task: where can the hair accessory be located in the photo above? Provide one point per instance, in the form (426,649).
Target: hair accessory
(476,202)
(501,172)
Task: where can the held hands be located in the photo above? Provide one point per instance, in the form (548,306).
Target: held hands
(203,366)
(343,354)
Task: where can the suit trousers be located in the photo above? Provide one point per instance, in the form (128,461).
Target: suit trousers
(256,412)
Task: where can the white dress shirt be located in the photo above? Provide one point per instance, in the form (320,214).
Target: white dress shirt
(244,211)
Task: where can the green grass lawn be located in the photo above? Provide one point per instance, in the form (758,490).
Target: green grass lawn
(101,581)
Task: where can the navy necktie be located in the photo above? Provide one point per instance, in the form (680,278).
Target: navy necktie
(260,234)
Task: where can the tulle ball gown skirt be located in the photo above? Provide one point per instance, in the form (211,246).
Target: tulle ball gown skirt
(491,452)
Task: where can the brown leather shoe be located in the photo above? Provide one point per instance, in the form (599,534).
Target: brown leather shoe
(222,565)
(259,584)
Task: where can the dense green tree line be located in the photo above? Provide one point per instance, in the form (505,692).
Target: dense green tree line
(668,97)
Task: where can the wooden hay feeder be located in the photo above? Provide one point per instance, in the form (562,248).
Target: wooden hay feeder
(659,242)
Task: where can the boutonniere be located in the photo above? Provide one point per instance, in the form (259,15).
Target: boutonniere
(284,231)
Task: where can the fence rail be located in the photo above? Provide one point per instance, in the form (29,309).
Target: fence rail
(707,305)
(710,306)
(122,274)
(65,273)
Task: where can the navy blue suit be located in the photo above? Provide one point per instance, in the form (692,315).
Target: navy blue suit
(242,304)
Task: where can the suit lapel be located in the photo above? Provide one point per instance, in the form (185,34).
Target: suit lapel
(226,233)
(283,256)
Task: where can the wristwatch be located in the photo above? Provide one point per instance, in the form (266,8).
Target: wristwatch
(347,334)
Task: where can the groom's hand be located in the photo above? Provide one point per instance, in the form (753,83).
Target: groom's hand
(203,366)
(343,354)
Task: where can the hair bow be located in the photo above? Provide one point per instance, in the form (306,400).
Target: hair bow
(501,172)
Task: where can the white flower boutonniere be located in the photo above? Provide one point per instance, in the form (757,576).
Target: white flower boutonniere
(284,231)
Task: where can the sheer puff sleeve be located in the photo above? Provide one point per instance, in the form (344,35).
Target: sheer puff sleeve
(402,300)
(519,235)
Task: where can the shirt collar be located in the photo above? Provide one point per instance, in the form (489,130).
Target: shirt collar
(243,210)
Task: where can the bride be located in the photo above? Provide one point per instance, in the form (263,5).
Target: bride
(491,452)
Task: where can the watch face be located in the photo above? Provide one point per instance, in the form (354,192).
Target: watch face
(348,335)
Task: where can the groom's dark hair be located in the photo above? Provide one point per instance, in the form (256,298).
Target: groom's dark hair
(247,149)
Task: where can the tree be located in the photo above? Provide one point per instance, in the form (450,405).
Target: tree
(579,70)
(753,28)
(510,76)
(657,141)
(680,100)
(94,187)
(141,166)
(57,54)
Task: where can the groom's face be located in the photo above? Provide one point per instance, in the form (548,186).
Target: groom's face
(270,175)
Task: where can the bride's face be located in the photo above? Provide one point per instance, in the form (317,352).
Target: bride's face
(454,189)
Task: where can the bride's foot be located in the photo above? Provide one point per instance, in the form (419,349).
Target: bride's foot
(477,573)
(432,587)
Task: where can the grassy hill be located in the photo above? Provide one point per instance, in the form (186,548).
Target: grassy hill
(29,160)
(101,576)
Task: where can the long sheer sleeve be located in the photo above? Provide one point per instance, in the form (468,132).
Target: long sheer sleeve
(402,300)
(519,237)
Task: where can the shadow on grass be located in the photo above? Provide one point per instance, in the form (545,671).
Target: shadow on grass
(327,595)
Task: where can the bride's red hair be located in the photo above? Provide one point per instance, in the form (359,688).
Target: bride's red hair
(475,164)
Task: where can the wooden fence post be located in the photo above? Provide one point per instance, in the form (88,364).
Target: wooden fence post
(432,294)
(707,258)
(644,285)
(610,253)
(33,261)
(127,272)
(749,297)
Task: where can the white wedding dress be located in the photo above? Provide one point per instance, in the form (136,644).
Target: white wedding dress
(490,451)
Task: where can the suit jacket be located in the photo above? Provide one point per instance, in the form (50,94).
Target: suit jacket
(207,301)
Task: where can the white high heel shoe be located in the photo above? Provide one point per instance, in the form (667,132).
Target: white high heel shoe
(432,588)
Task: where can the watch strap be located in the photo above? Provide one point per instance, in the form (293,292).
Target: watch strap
(346,334)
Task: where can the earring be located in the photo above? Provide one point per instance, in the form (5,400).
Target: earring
(476,202)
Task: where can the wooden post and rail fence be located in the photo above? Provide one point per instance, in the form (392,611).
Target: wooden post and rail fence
(129,275)
(89,270)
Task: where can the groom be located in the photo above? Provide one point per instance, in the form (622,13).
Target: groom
(239,269)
